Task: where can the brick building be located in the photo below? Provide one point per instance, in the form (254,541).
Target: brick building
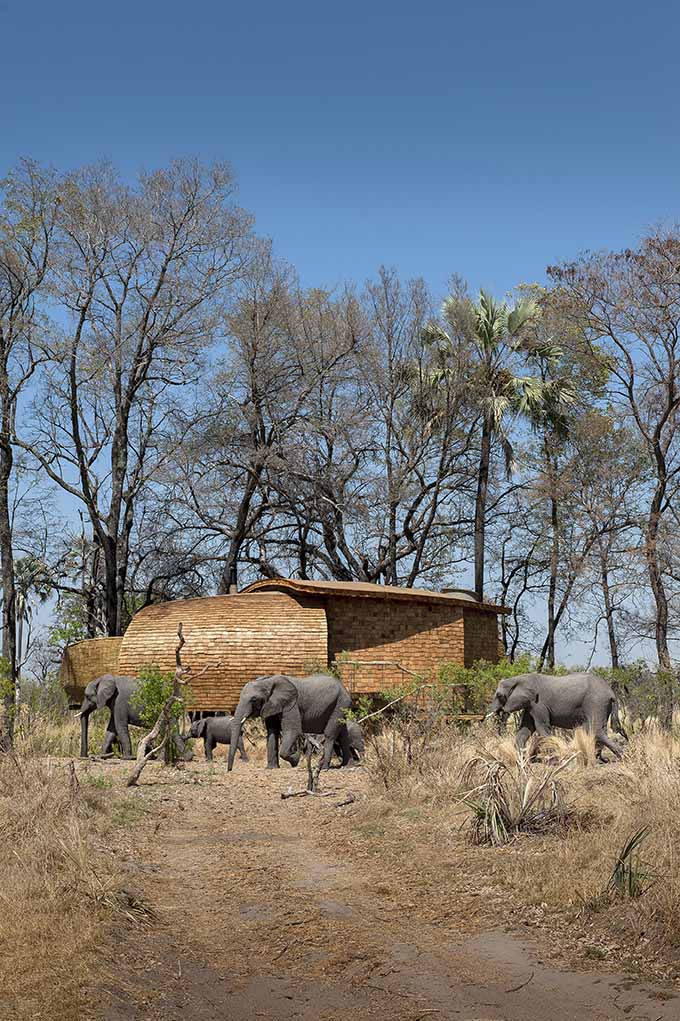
(377,635)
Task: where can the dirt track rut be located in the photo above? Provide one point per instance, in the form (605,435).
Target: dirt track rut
(262,910)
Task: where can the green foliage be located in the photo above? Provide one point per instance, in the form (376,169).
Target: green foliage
(462,690)
(642,692)
(71,624)
(6,681)
(631,876)
(320,666)
(154,689)
(361,706)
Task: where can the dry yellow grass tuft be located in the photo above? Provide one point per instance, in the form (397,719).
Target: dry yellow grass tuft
(570,869)
(57,887)
(57,733)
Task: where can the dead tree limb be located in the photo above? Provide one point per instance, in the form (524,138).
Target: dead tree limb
(394,702)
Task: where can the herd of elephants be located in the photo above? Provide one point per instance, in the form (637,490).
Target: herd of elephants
(294,708)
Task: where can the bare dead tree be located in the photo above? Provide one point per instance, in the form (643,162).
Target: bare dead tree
(27,219)
(629,306)
(142,274)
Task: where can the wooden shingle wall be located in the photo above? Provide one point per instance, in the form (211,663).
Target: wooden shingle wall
(237,637)
(84,661)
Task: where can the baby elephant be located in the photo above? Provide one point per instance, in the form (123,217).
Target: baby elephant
(357,745)
(216,730)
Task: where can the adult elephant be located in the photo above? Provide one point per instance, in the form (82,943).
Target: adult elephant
(116,693)
(290,707)
(572,700)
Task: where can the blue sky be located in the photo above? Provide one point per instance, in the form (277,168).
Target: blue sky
(486,139)
(482,139)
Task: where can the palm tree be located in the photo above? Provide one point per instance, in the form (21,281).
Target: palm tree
(31,581)
(499,343)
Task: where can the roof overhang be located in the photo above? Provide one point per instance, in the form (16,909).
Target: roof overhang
(365,590)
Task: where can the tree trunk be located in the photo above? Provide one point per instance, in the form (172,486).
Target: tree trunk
(9,624)
(661,616)
(549,647)
(480,508)
(608,608)
(20,656)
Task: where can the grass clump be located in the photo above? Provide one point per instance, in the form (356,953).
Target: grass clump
(511,799)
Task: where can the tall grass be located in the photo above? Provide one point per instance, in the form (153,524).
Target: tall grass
(58,888)
(586,818)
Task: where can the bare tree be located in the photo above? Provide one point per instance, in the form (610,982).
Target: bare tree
(629,306)
(27,221)
(141,274)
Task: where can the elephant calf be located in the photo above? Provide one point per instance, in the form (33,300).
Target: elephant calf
(216,730)
(357,745)
(573,700)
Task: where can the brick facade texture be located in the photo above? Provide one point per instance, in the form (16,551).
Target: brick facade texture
(417,635)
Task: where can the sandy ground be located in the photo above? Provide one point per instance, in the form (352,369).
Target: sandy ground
(271,908)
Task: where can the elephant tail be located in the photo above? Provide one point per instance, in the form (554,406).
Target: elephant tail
(615,719)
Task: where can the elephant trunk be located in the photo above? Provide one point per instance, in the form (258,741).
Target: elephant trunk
(494,709)
(84,721)
(235,735)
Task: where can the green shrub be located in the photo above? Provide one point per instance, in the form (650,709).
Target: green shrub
(461,690)
(154,689)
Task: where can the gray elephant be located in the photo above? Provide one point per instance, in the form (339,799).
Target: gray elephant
(116,693)
(215,730)
(355,736)
(548,701)
(290,707)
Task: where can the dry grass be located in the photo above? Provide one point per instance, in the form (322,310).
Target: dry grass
(57,733)
(568,866)
(58,888)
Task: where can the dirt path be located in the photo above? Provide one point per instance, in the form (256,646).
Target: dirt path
(266,909)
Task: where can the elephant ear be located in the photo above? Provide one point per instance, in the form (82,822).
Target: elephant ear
(283,696)
(522,695)
(106,689)
(200,729)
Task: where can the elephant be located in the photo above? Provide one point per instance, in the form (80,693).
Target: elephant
(290,707)
(357,745)
(116,693)
(215,730)
(569,701)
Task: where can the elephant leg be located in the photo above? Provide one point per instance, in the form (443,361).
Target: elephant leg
(110,737)
(526,728)
(242,749)
(539,715)
(335,730)
(272,747)
(123,729)
(602,740)
(208,746)
(342,740)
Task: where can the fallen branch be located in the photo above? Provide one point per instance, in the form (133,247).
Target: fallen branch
(347,800)
(394,702)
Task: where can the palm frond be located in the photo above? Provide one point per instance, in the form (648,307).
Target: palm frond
(524,311)
(491,322)
(434,334)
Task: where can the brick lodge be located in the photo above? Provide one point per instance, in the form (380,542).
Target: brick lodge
(377,636)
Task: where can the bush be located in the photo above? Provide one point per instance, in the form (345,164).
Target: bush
(462,690)
(642,692)
(153,691)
